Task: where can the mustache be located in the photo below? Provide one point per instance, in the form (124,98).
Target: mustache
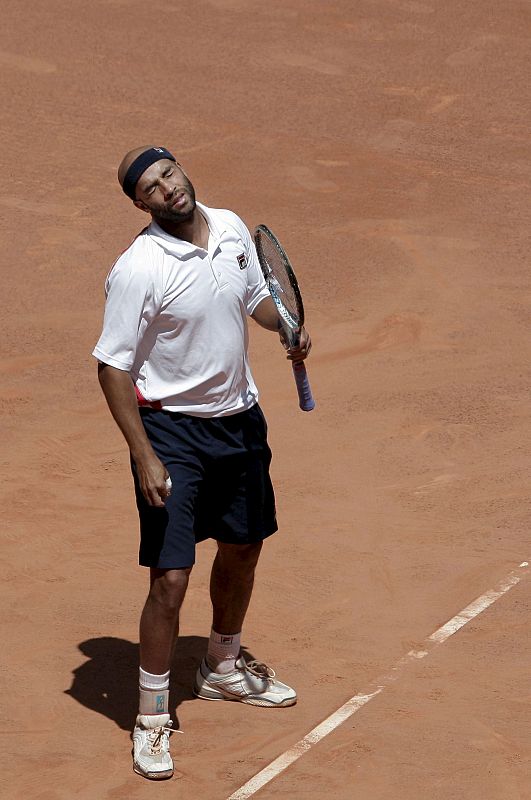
(187,188)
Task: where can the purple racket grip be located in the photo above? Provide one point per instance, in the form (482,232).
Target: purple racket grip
(306,401)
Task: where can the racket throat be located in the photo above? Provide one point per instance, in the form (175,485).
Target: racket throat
(293,336)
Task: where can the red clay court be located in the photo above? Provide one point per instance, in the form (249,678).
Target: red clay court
(388,146)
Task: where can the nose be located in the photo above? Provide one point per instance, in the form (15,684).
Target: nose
(167,188)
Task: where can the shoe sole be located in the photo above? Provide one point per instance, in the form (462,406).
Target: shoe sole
(154,776)
(208,693)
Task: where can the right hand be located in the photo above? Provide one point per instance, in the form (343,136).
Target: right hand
(152,477)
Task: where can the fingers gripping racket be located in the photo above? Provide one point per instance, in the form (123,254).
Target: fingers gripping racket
(284,289)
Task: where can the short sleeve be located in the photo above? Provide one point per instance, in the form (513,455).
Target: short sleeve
(131,304)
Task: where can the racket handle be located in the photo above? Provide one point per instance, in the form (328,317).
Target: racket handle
(306,401)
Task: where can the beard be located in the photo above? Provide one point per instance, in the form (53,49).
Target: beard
(171,214)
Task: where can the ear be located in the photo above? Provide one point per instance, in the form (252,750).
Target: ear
(142,206)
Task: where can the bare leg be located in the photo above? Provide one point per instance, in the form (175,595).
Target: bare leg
(159,623)
(231,585)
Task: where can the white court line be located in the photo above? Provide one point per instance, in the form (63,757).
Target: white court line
(359,700)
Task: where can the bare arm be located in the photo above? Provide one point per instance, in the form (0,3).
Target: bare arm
(266,315)
(119,392)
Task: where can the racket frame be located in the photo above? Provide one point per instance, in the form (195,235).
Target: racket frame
(291,326)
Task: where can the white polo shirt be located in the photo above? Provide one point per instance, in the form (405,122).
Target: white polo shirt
(176,317)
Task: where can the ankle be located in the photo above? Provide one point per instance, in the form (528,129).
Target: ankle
(223,650)
(153,693)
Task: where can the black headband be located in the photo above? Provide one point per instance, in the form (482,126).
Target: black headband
(140,165)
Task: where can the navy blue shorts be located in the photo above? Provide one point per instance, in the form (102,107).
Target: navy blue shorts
(221,489)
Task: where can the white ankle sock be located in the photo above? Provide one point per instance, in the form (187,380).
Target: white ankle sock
(149,681)
(154,693)
(223,650)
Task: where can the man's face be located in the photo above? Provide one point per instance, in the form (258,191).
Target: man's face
(165,192)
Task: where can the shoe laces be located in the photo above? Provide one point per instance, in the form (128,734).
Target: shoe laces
(260,670)
(158,737)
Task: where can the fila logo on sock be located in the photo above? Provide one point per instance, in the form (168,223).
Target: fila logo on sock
(160,702)
(226,640)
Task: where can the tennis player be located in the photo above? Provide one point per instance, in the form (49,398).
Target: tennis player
(174,369)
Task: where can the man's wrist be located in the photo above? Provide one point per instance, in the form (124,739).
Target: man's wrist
(143,453)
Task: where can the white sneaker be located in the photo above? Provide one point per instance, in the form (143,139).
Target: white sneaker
(151,746)
(253,683)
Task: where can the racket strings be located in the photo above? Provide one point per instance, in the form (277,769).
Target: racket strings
(280,280)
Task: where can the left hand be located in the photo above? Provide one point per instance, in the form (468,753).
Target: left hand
(302,350)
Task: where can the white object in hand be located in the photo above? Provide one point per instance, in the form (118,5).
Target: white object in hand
(168,484)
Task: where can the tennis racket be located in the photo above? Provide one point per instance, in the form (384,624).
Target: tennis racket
(284,290)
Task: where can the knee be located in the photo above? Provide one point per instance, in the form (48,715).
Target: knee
(169,588)
(239,558)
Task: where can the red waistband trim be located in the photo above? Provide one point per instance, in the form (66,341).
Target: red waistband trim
(143,402)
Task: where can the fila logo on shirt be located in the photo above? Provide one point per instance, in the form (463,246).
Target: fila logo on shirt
(242,261)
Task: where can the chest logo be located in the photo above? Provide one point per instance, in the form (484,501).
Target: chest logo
(242,261)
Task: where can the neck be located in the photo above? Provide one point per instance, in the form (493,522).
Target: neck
(194,230)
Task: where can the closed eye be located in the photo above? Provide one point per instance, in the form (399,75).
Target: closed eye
(166,174)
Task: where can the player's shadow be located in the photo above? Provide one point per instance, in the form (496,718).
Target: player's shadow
(108,681)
